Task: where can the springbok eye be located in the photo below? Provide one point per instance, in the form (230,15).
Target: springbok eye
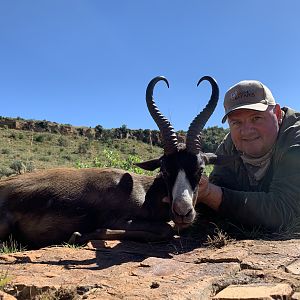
(164,173)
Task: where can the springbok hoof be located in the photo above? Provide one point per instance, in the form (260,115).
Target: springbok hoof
(74,238)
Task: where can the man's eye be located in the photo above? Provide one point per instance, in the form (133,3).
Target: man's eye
(256,118)
(234,123)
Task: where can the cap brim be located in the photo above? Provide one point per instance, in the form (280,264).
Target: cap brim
(255,106)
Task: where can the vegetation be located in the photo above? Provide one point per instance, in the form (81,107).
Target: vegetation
(4,279)
(24,151)
(59,294)
(11,246)
(20,155)
(219,239)
(212,137)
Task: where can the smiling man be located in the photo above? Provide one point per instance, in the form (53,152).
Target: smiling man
(261,186)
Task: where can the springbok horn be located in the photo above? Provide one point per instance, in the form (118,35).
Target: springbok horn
(193,142)
(167,131)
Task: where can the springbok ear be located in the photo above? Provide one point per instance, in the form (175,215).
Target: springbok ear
(213,159)
(149,165)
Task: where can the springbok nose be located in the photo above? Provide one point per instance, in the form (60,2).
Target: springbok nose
(181,208)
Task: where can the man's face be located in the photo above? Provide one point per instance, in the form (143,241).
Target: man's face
(254,132)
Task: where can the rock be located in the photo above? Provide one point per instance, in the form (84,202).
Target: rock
(294,267)
(5,296)
(255,291)
(180,269)
(296,296)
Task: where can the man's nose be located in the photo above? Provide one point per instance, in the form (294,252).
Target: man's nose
(247,128)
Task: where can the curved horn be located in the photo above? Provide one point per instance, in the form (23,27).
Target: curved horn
(167,131)
(193,143)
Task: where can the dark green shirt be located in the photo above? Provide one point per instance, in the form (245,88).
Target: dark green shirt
(275,201)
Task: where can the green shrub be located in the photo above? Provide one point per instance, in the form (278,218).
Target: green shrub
(5,171)
(39,138)
(133,151)
(63,142)
(67,157)
(48,137)
(18,166)
(30,166)
(113,160)
(5,151)
(129,164)
(12,136)
(83,148)
(44,158)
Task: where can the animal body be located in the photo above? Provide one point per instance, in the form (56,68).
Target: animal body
(51,206)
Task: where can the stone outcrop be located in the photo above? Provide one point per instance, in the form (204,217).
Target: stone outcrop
(180,269)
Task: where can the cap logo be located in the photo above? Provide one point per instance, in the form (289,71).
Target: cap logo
(243,94)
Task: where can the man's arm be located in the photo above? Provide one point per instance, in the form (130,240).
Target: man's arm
(270,209)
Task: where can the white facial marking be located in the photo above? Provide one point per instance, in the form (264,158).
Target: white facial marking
(182,194)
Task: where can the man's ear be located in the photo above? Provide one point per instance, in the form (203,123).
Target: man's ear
(149,165)
(213,159)
(278,113)
(209,158)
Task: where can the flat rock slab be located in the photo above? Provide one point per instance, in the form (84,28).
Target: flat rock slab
(175,270)
(256,291)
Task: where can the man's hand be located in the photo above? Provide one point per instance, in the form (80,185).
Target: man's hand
(209,194)
(203,188)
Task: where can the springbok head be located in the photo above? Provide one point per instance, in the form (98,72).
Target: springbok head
(181,165)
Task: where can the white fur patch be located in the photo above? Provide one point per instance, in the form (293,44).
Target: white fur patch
(182,193)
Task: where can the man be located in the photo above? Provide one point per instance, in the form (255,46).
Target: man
(261,186)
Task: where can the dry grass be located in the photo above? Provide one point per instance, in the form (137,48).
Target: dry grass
(60,294)
(219,239)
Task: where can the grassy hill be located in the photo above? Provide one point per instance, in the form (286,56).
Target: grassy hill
(27,145)
(22,151)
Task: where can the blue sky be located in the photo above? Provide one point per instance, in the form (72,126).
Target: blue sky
(88,62)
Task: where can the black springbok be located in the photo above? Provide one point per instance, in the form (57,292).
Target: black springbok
(48,207)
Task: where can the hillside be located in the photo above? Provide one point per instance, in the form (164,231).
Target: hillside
(25,150)
(26,145)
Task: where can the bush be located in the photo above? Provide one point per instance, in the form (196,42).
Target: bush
(39,138)
(12,136)
(83,148)
(5,151)
(5,172)
(63,142)
(113,160)
(48,137)
(67,157)
(18,166)
(30,167)
(44,158)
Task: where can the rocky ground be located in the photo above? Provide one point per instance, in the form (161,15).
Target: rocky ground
(180,269)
